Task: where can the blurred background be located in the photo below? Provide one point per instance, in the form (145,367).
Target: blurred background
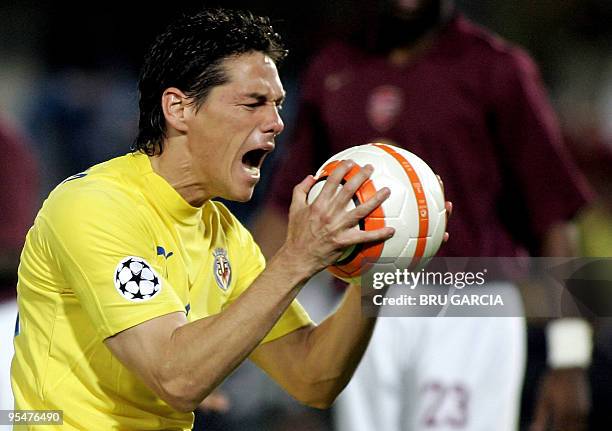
(68,77)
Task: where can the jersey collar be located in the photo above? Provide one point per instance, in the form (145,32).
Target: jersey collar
(160,191)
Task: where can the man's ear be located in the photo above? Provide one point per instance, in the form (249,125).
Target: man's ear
(174,103)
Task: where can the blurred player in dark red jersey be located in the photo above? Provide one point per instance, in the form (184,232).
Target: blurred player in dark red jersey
(473,106)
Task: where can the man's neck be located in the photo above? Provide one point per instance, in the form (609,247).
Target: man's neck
(402,56)
(175,167)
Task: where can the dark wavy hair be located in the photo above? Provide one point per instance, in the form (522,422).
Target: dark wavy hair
(189,55)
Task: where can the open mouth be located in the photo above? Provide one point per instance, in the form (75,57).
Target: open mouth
(253,159)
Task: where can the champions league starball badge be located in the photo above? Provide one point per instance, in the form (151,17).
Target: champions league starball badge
(222,268)
(136,280)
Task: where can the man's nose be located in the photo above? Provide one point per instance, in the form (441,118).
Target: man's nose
(274,122)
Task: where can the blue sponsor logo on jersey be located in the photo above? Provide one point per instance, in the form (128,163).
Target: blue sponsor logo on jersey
(162,252)
(17,328)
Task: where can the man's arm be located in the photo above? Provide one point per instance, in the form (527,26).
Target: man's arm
(551,190)
(563,399)
(186,361)
(183,362)
(315,363)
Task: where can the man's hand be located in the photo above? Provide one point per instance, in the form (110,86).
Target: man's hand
(448,206)
(216,402)
(318,233)
(563,402)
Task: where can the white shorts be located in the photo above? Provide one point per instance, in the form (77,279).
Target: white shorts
(438,374)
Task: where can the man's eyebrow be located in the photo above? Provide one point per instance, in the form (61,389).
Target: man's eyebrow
(263,98)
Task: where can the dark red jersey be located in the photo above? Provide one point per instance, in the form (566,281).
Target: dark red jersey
(18,198)
(473,107)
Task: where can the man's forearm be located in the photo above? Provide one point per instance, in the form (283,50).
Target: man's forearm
(209,349)
(336,346)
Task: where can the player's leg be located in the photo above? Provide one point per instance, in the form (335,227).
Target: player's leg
(469,374)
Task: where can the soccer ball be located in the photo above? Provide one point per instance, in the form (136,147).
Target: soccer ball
(415,209)
(135,280)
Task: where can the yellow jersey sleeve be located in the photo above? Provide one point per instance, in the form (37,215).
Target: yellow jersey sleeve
(251,263)
(107,258)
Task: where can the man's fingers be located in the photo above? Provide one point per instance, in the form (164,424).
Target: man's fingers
(367,207)
(215,402)
(355,236)
(351,186)
(333,181)
(300,192)
(448,205)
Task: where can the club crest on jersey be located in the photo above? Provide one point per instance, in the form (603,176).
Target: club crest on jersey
(136,280)
(384,106)
(222,268)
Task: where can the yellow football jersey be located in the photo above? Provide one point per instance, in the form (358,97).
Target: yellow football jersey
(111,248)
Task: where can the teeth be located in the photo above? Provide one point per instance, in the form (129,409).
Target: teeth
(253,170)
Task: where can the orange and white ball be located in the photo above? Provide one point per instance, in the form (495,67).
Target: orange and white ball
(415,209)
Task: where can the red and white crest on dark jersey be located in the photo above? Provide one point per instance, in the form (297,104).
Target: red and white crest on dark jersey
(384,106)
(222,268)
